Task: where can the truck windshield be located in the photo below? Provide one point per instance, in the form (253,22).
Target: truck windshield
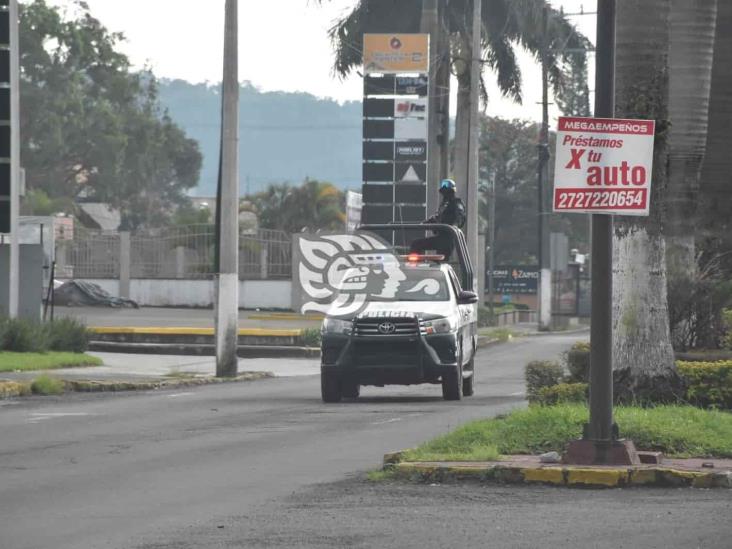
(397,282)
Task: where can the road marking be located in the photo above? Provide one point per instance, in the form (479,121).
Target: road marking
(518,394)
(176,395)
(42,416)
(392,420)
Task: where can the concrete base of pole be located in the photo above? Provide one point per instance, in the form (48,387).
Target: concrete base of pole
(601,452)
(545,299)
(227,323)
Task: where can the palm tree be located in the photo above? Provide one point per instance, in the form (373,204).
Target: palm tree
(315,205)
(643,358)
(506,24)
(691,51)
(716,180)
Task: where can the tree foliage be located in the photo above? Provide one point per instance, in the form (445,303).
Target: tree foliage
(92,128)
(506,24)
(508,149)
(314,205)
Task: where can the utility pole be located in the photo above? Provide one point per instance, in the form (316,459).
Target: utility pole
(545,273)
(476,66)
(491,240)
(14,275)
(430,24)
(227,212)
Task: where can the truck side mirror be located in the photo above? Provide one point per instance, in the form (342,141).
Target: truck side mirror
(467,298)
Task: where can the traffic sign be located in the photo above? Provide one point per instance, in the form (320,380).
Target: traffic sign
(603,165)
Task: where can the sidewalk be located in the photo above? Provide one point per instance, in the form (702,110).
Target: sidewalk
(132,372)
(182,318)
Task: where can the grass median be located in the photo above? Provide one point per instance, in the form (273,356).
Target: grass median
(677,431)
(14,362)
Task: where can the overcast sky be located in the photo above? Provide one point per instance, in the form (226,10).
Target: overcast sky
(283,45)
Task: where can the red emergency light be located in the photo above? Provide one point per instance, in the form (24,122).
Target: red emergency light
(423,258)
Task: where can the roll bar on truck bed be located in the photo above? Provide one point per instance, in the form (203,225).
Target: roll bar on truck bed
(461,247)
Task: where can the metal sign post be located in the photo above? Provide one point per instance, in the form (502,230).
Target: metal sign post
(600,443)
(9,144)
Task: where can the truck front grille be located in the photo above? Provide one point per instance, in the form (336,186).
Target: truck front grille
(390,327)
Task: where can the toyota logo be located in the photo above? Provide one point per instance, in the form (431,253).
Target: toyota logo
(387,328)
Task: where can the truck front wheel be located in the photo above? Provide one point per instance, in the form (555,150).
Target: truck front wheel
(452,384)
(330,387)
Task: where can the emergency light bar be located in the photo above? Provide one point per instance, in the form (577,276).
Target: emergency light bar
(416,258)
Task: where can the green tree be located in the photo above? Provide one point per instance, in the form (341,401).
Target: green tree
(37,202)
(575,97)
(313,206)
(508,149)
(92,128)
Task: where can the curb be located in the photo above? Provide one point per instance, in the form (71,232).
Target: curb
(559,332)
(286,316)
(167,330)
(11,389)
(484,342)
(555,475)
(204,349)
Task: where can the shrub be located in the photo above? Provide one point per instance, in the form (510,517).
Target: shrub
(578,362)
(539,374)
(709,384)
(484,317)
(562,393)
(46,385)
(696,304)
(67,334)
(310,337)
(22,336)
(727,339)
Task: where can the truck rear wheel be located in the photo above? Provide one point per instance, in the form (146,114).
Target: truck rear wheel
(330,387)
(469,384)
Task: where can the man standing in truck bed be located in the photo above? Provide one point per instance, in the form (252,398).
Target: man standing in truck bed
(450,212)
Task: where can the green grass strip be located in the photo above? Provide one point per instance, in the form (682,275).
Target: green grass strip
(677,431)
(13,362)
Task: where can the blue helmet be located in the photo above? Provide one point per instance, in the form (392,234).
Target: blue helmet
(447,185)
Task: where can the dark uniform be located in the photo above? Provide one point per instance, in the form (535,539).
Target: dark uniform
(450,212)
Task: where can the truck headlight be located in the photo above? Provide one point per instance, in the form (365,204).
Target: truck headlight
(439,326)
(337,326)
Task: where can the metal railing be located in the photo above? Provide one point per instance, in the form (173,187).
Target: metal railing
(185,252)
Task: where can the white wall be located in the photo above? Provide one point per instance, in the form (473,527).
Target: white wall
(253,294)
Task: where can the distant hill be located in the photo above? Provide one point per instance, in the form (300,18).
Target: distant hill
(284,136)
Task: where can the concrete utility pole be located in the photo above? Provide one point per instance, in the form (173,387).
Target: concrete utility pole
(431,25)
(14,278)
(227,296)
(491,240)
(476,67)
(545,273)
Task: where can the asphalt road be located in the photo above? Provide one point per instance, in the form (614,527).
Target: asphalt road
(267,464)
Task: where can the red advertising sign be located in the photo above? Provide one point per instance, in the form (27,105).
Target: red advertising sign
(603,165)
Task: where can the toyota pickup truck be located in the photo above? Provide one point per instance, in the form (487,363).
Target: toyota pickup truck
(425,333)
